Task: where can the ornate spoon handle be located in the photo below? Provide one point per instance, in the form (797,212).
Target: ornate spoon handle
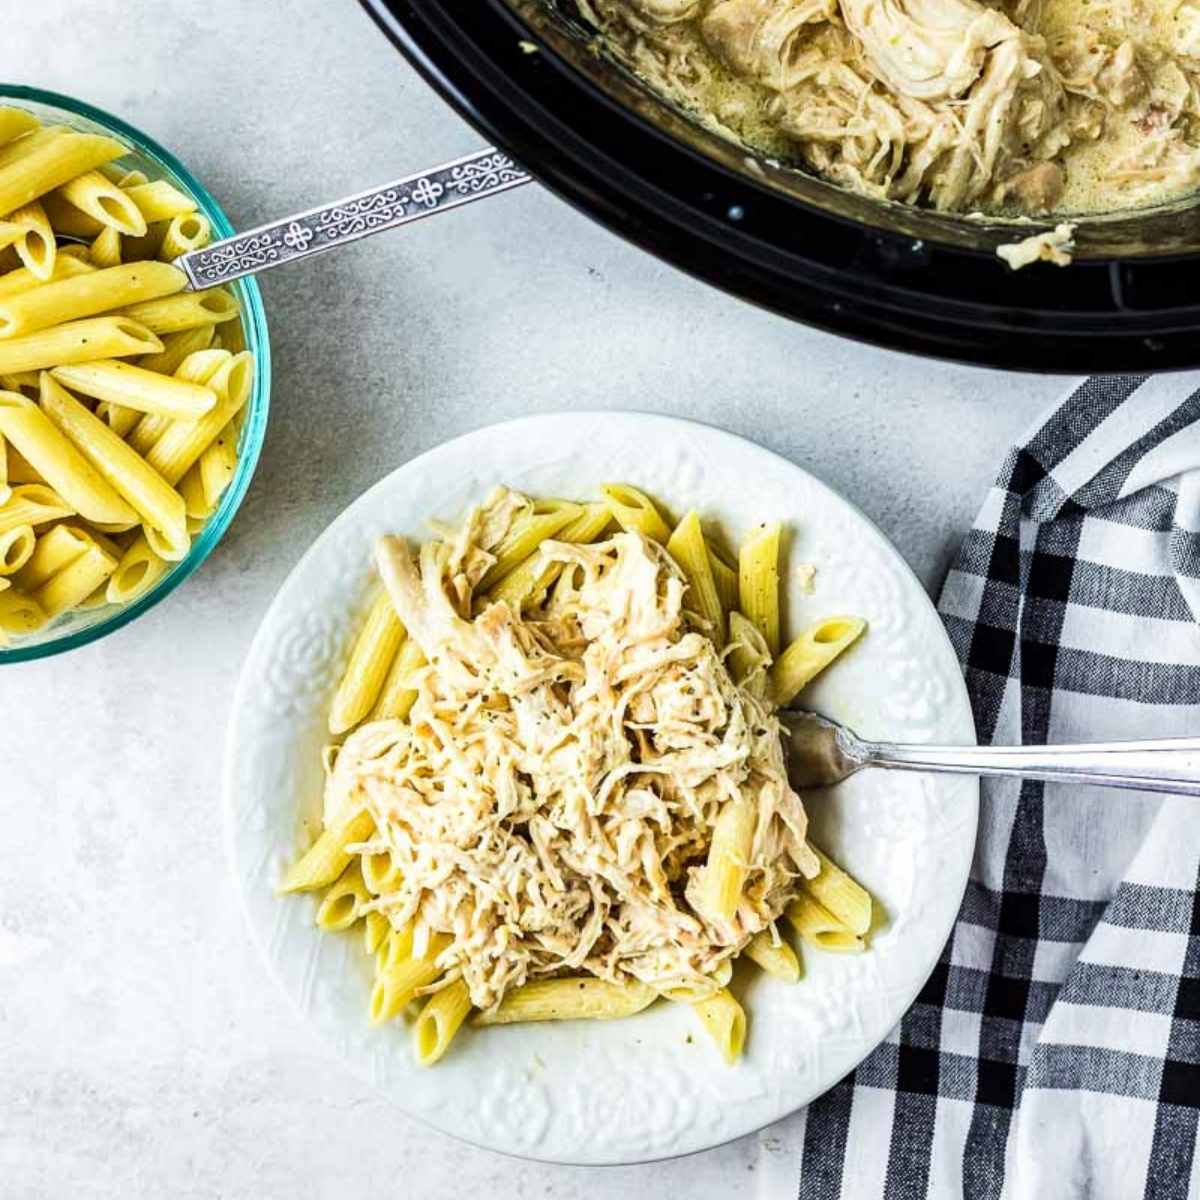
(473,177)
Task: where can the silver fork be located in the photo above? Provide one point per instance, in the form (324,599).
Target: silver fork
(822,753)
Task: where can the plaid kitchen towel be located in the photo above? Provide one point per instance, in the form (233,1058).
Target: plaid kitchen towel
(1055,1052)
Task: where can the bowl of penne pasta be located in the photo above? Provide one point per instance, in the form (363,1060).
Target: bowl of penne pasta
(132,410)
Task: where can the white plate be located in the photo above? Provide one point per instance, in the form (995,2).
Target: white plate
(651,1086)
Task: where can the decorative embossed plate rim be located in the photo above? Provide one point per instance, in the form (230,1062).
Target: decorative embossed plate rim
(652,1086)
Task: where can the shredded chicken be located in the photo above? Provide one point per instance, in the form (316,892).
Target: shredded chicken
(1053,246)
(550,799)
(1032,105)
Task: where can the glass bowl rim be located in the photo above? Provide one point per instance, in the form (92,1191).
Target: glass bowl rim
(255,328)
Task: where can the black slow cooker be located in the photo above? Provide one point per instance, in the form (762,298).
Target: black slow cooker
(523,73)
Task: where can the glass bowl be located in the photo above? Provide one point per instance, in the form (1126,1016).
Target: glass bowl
(77,628)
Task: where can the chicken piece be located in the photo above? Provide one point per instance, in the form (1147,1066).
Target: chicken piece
(927,49)
(1053,246)
(666,12)
(762,38)
(1036,189)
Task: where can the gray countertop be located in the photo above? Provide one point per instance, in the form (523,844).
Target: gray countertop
(144,1051)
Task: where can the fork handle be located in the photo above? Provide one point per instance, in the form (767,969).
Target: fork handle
(1164,765)
(484,173)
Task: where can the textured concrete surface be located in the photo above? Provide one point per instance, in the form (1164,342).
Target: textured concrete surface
(144,1052)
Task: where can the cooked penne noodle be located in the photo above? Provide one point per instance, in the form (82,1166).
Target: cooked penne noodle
(36,247)
(776,958)
(98,599)
(14,122)
(58,462)
(119,419)
(19,469)
(135,387)
(69,221)
(572,999)
(375,930)
(218,464)
(811,653)
(688,548)
(184,234)
(63,300)
(758,582)
(728,859)
(195,503)
(327,857)
(122,176)
(398,983)
(104,201)
(725,1020)
(528,533)
(184,311)
(371,657)
(21,279)
(749,659)
(635,511)
(700,988)
(19,614)
(27,383)
(75,582)
(439,1021)
(57,548)
(138,570)
(725,579)
(5,486)
(160,506)
(528,582)
(396,697)
(105,250)
(176,348)
(818,926)
(182,443)
(10,235)
(840,893)
(16,548)
(394,949)
(380,873)
(49,162)
(342,904)
(32,504)
(77,341)
(160,200)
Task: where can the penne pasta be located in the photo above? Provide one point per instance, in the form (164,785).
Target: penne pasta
(818,926)
(840,893)
(20,614)
(94,292)
(528,533)
(22,278)
(134,387)
(375,930)
(75,582)
(195,503)
(689,549)
(138,570)
(77,341)
(102,200)
(59,463)
(218,464)
(399,982)
(811,653)
(5,486)
(36,246)
(396,697)
(725,1021)
(182,442)
(758,582)
(16,548)
(159,505)
(778,959)
(32,504)
(728,860)
(380,873)
(394,949)
(439,1021)
(342,904)
(105,250)
(570,999)
(69,221)
(635,511)
(327,857)
(725,579)
(371,657)
(176,347)
(49,162)
(186,310)
(160,200)
(185,233)
(14,122)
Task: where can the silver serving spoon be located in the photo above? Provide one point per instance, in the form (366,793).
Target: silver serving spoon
(453,184)
(822,753)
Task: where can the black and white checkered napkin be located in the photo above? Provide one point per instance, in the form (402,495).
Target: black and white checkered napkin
(1055,1052)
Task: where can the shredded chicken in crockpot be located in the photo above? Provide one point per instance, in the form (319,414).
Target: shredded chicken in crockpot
(1012,106)
(551,798)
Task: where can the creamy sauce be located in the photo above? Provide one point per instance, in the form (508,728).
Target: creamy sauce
(1079,106)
